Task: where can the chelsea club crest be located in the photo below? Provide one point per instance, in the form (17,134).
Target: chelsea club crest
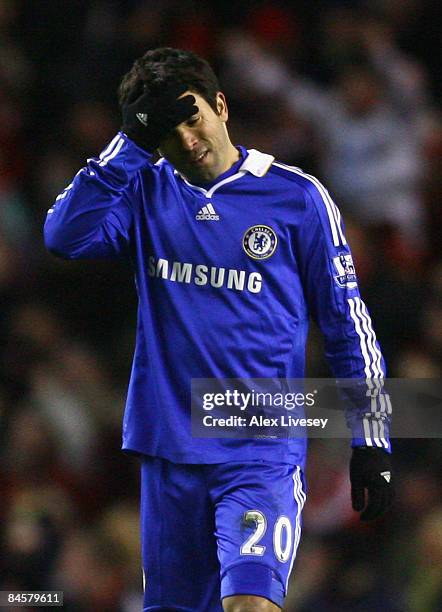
(259,241)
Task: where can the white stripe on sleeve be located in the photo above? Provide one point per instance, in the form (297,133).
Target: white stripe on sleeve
(106,158)
(109,147)
(362,337)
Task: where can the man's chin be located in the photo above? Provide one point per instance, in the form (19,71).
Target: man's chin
(200,175)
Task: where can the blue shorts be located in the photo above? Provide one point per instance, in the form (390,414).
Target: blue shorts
(212,531)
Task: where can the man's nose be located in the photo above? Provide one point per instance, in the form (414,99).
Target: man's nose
(187,138)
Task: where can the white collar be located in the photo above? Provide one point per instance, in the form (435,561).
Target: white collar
(256,163)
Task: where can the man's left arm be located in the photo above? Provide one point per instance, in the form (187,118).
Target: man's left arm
(352,350)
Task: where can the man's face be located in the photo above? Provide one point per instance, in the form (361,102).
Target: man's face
(199,148)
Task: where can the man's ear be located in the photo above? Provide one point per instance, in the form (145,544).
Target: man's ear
(221,106)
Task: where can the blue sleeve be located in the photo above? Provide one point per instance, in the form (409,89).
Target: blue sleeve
(92,217)
(333,298)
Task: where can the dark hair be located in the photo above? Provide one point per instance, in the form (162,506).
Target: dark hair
(165,66)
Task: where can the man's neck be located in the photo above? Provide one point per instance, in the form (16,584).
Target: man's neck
(234,157)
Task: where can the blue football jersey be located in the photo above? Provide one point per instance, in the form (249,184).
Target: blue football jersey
(227,276)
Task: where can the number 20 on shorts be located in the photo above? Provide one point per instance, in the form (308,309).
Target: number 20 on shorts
(282,536)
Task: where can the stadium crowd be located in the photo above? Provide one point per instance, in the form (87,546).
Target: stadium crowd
(346,90)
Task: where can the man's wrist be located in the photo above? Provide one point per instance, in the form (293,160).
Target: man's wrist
(120,160)
(138,140)
(134,151)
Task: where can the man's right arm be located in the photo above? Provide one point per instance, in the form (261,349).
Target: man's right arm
(92,217)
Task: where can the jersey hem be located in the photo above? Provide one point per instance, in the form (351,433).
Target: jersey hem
(236,457)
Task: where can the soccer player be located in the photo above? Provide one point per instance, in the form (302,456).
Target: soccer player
(232,251)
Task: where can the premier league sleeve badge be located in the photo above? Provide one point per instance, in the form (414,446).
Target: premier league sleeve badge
(346,275)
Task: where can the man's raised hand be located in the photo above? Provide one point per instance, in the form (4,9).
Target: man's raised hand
(148,118)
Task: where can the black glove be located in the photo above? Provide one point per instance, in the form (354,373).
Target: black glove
(370,468)
(148,118)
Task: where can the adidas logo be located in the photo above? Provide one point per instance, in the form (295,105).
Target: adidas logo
(386,475)
(207,213)
(142,118)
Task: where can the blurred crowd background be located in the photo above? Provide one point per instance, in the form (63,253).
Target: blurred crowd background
(347,90)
